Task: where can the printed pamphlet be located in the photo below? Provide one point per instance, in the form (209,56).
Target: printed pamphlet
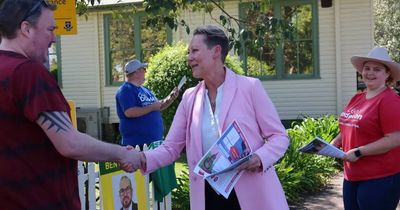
(322,147)
(182,82)
(219,163)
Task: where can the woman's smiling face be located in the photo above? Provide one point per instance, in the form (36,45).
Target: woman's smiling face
(199,56)
(374,74)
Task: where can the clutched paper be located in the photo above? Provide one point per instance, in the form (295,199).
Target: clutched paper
(321,147)
(219,164)
(182,82)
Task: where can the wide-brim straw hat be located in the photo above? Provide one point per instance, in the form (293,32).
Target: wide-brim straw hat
(380,55)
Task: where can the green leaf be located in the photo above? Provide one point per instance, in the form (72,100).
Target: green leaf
(187,29)
(222,18)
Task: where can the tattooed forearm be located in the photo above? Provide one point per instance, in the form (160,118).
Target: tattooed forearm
(58,120)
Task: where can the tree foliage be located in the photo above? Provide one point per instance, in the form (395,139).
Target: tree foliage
(168,12)
(122,46)
(387,26)
(124,27)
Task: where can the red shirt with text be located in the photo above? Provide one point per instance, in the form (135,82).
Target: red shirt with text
(364,121)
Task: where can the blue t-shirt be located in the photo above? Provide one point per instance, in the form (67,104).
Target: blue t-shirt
(138,130)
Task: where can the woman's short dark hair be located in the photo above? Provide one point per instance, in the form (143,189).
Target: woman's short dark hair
(214,36)
(13,12)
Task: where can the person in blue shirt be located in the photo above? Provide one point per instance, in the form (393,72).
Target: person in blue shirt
(138,109)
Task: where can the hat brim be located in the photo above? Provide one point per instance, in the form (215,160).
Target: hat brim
(394,68)
(141,66)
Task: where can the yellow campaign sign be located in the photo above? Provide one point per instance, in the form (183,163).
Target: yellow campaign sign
(72,106)
(141,188)
(120,189)
(65,16)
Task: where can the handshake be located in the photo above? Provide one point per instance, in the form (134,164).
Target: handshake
(131,159)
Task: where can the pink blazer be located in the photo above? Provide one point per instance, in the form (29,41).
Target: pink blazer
(244,100)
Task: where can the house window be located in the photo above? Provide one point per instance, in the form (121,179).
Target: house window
(127,37)
(281,57)
(54,61)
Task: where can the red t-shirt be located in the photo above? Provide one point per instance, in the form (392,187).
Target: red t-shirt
(364,121)
(33,174)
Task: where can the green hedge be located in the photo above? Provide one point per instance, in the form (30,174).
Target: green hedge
(180,195)
(258,68)
(165,70)
(301,172)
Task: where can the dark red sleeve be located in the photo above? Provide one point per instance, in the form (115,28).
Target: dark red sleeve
(36,91)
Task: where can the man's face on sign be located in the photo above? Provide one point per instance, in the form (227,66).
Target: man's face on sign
(125,192)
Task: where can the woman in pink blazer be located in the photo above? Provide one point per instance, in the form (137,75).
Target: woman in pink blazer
(205,112)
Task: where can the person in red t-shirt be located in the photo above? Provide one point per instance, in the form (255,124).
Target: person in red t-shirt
(370,136)
(38,144)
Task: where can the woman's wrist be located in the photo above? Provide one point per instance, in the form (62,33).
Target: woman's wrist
(358,152)
(143,164)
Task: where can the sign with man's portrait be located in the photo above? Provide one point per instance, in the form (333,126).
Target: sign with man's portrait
(121,190)
(124,191)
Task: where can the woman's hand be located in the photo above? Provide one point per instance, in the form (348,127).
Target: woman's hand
(351,156)
(337,141)
(174,93)
(252,165)
(169,99)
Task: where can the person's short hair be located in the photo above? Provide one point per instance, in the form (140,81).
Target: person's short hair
(13,12)
(214,36)
(125,178)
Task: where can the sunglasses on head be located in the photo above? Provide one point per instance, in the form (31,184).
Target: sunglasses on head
(34,8)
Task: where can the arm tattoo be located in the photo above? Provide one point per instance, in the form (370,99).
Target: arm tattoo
(59,120)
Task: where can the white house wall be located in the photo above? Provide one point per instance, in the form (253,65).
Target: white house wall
(83,62)
(356,28)
(80,64)
(109,91)
(83,66)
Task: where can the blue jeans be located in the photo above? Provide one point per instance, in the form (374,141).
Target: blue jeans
(373,194)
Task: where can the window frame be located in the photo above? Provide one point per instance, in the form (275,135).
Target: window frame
(138,17)
(280,68)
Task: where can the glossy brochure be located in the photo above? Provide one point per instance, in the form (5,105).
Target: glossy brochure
(322,147)
(219,163)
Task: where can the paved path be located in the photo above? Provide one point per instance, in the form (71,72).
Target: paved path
(329,198)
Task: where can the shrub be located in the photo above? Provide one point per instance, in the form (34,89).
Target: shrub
(165,70)
(54,73)
(258,68)
(301,172)
(180,195)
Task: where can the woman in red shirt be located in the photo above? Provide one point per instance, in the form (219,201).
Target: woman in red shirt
(370,136)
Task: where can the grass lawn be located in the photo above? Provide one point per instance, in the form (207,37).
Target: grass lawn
(181,165)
